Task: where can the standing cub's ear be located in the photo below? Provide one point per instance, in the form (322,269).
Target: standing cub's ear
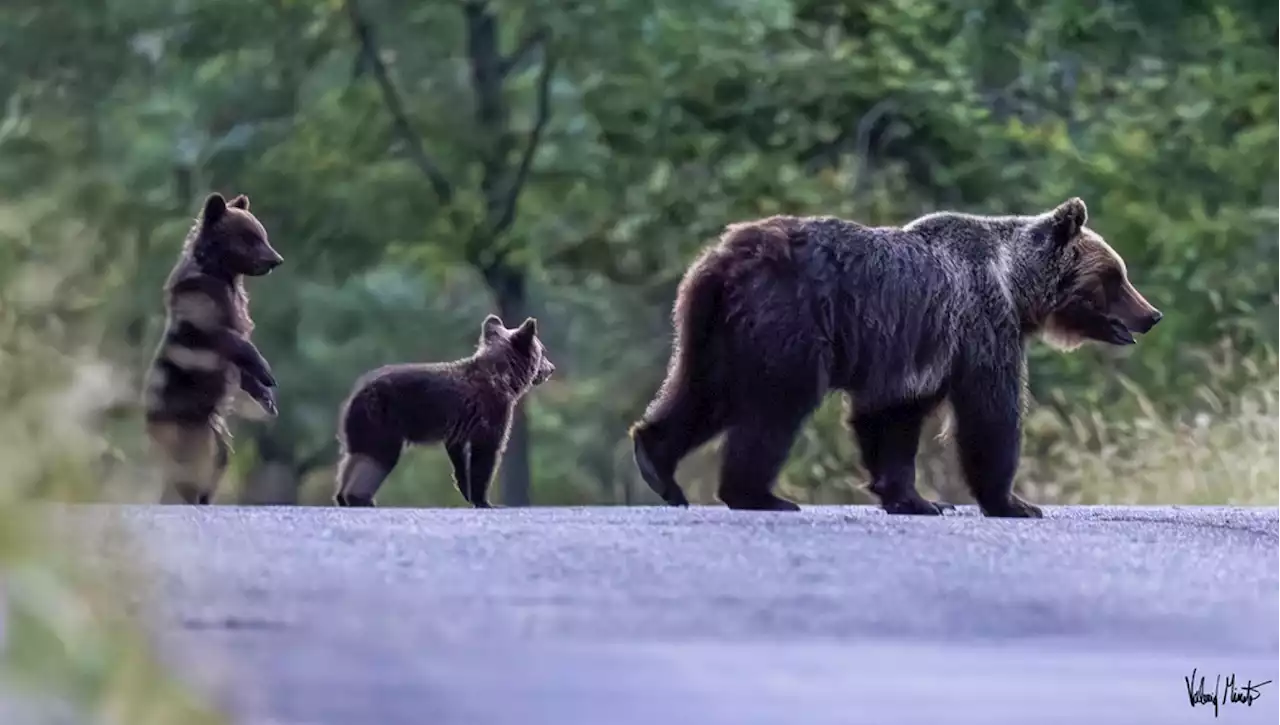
(240,202)
(214,208)
(523,336)
(1068,219)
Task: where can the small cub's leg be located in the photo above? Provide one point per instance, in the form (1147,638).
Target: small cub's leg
(460,457)
(221,458)
(483,461)
(359,478)
(191,460)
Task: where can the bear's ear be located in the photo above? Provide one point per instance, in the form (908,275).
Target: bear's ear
(240,202)
(214,207)
(1068,219)
(523,336)
(491,327)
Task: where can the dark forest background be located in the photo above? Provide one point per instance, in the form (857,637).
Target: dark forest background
(420,164)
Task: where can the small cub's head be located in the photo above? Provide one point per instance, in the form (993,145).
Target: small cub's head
(1092,298)
(231,241)
(523,348)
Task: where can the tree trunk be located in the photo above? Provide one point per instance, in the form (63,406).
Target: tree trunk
(508,286)
(275,479)
(271,483)
(516,470)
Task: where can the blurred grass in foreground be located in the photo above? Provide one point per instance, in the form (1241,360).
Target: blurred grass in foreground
(72,652)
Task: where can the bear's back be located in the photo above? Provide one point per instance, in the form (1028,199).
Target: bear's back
(432,401)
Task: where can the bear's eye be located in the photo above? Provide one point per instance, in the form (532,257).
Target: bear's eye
(1112,280)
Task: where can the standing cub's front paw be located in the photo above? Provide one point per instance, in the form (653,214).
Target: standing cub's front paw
(1014,508)
(268,403)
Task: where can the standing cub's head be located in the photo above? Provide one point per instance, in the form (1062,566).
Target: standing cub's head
(1089,296)
(521,347)
(229,241)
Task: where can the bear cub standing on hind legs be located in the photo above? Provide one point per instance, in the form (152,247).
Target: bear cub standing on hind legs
(783,310)
(205,358)
(466,404)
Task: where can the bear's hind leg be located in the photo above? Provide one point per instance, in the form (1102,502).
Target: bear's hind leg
(359,478)
(659,444)
(192,458)
(889,440)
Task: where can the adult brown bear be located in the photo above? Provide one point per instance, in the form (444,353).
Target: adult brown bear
(783,310)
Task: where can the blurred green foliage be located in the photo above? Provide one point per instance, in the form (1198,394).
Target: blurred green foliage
(421,164)
(71,647)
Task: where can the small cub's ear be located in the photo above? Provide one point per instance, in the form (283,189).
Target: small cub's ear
(1068,219)
(214,207)
(524,335)
(240,202)
(491,326)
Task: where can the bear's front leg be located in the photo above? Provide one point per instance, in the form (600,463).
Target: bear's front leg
(985,399)
(260,394)
(244,355)
(485,450)
(460,458)
(889,440)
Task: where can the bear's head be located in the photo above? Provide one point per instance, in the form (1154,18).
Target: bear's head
(1091,297)
(230,241)
(521,347)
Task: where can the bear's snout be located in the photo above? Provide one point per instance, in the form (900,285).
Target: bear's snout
(545,370)
(267,261)
(1138,314)
(1148,321)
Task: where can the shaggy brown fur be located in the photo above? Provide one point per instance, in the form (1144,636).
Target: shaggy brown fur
(466,404)
(786,309)
(205,356)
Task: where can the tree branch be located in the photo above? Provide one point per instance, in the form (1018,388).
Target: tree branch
(582,257)
(364,33)
(541,115)
(526,46)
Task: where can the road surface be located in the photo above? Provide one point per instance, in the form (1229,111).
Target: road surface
(621,616)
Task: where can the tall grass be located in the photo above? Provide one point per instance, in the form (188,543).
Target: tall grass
(72,652)
(1223,450)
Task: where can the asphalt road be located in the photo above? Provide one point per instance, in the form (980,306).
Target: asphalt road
(705,616)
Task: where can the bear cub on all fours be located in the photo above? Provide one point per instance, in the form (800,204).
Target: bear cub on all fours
(782,311)
(205,359)
(465,404)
